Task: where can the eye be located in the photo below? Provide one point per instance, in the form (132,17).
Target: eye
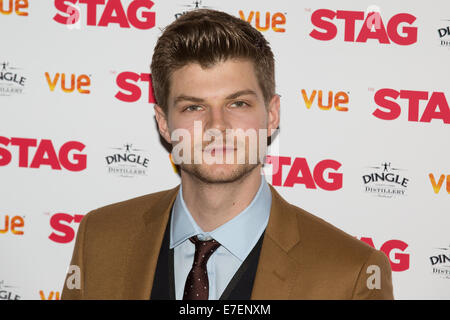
(239,104)
(192,108)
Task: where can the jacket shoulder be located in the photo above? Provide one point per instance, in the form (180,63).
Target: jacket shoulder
(338,261)
(327,237)
(321,238)
(128,210)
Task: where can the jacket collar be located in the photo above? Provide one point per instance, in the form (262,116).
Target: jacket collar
(283,223)
(277,268)
(144,245)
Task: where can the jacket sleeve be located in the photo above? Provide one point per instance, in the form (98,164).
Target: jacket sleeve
(375,279)
(73,288)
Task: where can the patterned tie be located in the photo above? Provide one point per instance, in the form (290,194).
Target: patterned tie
(197,286)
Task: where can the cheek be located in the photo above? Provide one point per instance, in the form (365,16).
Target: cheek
(175,122)
(256,120)
(256,124)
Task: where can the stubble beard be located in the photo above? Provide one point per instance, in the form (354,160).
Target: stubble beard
(219,176)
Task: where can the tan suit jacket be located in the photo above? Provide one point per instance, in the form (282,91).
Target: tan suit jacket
(302,256)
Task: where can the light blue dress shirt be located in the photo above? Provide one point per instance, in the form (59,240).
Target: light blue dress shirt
(237,238)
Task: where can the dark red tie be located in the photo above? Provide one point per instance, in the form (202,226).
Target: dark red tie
(197,285)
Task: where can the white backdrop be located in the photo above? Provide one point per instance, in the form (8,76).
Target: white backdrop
(59,138)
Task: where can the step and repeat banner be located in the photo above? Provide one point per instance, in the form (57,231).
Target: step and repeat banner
(363,141)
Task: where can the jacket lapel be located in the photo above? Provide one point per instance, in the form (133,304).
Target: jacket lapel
(144,246)
(277,269)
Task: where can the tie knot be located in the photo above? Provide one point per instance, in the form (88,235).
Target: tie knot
(203,249)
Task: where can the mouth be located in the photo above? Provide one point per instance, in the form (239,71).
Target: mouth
(222,150)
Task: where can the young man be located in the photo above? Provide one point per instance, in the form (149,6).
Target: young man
(224,232)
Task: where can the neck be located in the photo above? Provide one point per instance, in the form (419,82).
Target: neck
(213,204)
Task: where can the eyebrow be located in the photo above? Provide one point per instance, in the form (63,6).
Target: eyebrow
(234,95)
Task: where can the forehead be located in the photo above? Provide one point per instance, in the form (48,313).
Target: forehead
(217,81)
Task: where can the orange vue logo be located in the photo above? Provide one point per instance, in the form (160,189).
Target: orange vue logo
(81,82)
(15,225)
(437,185)
(338,100)
(51,296)
(265,22)
(17,6)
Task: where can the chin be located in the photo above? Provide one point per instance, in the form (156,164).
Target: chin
(219,173)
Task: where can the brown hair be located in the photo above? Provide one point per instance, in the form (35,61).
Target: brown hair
(206,37)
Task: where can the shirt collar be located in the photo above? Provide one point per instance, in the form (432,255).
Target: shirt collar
(239,235)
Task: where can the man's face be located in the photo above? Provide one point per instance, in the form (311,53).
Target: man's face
(211,105)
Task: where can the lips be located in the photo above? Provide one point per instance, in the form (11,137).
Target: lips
(224,149)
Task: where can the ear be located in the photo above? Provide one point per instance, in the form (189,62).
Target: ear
(161,118)
(273,115)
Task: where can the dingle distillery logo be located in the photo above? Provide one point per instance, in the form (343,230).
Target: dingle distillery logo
(7,292)
(190,7)
(444,34)
(385,181)
(11,80)
(440,262)
(127,161)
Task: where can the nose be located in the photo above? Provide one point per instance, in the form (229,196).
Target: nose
(216,119)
